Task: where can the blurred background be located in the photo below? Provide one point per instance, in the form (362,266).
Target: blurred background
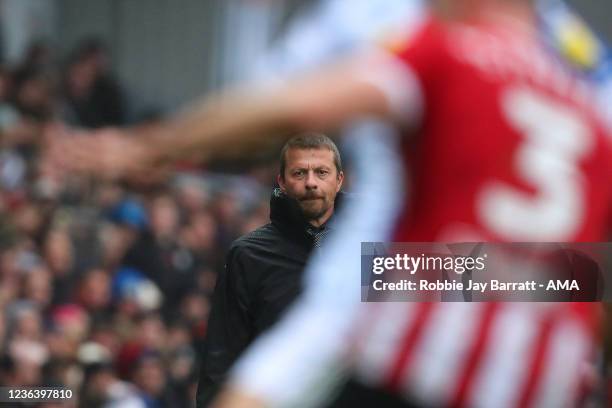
(105,287)
(166,52)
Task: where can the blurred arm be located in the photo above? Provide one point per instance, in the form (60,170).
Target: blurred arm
(372,85)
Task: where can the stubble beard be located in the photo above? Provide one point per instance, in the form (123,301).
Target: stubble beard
(314,212)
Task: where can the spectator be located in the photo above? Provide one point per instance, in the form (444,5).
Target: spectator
(160,256)
(94,292)
(32,94)
(37,287)
(58,253)
(103,388)
(94,98)
(151,379)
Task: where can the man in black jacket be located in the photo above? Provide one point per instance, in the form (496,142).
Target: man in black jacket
(263,272)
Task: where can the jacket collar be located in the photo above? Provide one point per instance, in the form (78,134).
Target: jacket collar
(286,215)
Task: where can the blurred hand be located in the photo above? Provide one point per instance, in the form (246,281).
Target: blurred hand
(235,398)
(23,132)
(107,153)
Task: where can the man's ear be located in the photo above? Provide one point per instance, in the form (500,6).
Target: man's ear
(281,183)
(340,181)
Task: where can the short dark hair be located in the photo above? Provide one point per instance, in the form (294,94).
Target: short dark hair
(310,140)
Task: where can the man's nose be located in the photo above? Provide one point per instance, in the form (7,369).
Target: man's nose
(311,181)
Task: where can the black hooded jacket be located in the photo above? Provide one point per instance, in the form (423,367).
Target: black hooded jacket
(262,276)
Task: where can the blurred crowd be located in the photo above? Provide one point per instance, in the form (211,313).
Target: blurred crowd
(105,286)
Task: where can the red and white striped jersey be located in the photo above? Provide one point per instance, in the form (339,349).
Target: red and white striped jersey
(476,354)
(508,150)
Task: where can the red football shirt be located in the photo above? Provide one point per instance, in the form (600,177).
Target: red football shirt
(508,149)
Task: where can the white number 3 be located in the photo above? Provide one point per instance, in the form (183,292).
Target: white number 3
(555,140)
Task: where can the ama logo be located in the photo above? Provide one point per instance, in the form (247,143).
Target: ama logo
(562,285)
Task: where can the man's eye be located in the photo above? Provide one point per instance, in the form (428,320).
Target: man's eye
(298,173)
(323,172)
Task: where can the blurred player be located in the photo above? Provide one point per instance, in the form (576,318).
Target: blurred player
(504,139)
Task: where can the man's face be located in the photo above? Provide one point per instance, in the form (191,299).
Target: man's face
(312,179)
